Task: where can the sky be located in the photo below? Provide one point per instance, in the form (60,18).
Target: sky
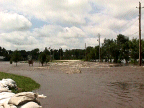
(66,24)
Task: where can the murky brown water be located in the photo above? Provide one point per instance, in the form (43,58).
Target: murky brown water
(127,94)
(97,86)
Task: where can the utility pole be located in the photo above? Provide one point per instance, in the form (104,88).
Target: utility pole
(140,34)
(140,56)
(85,50)
(99,47)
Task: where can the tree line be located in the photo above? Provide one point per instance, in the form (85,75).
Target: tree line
(54,54)
(116,50)
(112,50)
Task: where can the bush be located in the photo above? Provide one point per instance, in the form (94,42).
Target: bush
(11,61)
(47,58)
(132,61)
(16,56)
(42,58)
(119,61)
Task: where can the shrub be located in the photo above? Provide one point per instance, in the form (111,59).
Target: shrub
(16,56)
(11,61)
(42,58)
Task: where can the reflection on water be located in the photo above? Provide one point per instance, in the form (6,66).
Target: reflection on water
(127,93)
(127,85)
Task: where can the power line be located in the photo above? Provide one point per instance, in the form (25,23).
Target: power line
(133,33)
(127,24)
(123,17)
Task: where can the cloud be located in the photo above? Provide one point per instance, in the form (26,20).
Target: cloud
(68,11)
(93,41)
(46,36)
(47,31)
(58,36)
(13,21)
(119,9)
(93,30)
(18,39)
(72,32)
(66,23)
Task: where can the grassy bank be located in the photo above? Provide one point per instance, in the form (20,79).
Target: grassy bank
(23,83)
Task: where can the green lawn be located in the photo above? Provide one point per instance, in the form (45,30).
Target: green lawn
(23,83)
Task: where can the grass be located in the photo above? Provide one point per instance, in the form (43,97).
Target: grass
(24,84)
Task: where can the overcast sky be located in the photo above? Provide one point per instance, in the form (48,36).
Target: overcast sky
(29,24)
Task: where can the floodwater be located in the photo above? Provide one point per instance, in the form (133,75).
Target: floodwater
(97,86)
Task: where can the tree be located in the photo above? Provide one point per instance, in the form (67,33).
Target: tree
(1,51)
(123,43)
(16,56)
(55,54)
(46,51)
(134,49)
(23,54)
(47,59)
(88,49)
(35,53)
(60,51)
(92,54)
(67,54)
(106,49)
(114,51)
(97,52)
(42,58)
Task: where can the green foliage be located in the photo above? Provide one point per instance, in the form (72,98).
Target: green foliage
(116,49)
(11,61)
(16,56)
(134,49)
(119,61)
(134,61)
(46,51)
(93,53)
(112,50)
(88,55)
(123,43)
(5,54)
(29,57)
(106,52)
(34,53)
(74,54)
(47,59)
(42,58)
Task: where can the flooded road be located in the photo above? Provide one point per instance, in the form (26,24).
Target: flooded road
(96,86)
(117,87)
